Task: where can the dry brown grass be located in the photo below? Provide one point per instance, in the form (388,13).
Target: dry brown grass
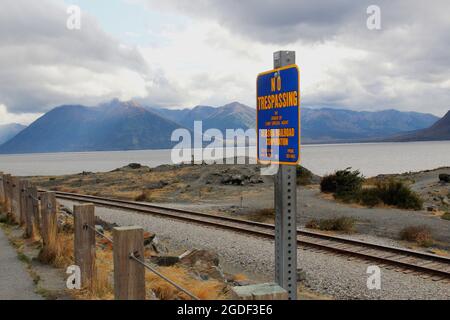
(50,249)
(204,290)
(262,215)
(104,290)
(240,277)
(102,287)
(60,253)
(418,234)
(341,224)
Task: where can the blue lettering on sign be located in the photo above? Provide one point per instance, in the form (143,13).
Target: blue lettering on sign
(278,116)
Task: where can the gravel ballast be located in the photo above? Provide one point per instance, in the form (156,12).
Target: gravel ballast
(325,273)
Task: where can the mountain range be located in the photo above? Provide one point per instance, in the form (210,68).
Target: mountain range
(120,125)
(323,125)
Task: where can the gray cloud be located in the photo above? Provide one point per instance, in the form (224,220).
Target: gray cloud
(406,63)
(43,64)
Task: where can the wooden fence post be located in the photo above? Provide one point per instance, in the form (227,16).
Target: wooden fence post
(129,275)
(15,199)
(2,189)
(7,186)
(49,223)
(30,225)
(36,208)
(84,243)
(23,201)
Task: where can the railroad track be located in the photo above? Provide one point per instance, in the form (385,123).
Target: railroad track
(402,260)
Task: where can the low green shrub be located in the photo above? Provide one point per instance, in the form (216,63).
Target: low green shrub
(370,197)
(346,185)
(342,183)
(396,193)
(446,216)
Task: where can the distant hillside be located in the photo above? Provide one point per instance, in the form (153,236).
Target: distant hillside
(438,131)
(338,125)
(112,126)
(7,131)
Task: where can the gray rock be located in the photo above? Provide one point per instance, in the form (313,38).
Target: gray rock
(443,177)
(158,246)
(134,165)
(165,261)
(157,185)
(99,229)
(301,275)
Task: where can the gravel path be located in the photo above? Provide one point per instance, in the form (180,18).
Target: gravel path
(15,282)
(327,274)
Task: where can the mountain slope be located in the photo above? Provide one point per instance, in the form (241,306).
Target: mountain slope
(8,131)
(334,125)
(112,126)
(438,131)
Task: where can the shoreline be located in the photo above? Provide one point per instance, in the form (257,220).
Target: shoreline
(371,159)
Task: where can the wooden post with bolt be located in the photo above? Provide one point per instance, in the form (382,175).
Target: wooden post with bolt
(30,226)
(129,275)
(2,189)
(23,201)
(49,223)
(15,199)
(35,207)
(7,186)
(84,242)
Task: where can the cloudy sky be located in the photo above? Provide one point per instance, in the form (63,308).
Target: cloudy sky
(178,53)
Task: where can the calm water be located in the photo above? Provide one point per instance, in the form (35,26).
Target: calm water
(371,159)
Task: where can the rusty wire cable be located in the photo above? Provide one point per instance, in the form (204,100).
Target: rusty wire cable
(132,256)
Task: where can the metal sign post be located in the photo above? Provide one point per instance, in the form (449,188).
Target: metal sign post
(278,122)
(286,211)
